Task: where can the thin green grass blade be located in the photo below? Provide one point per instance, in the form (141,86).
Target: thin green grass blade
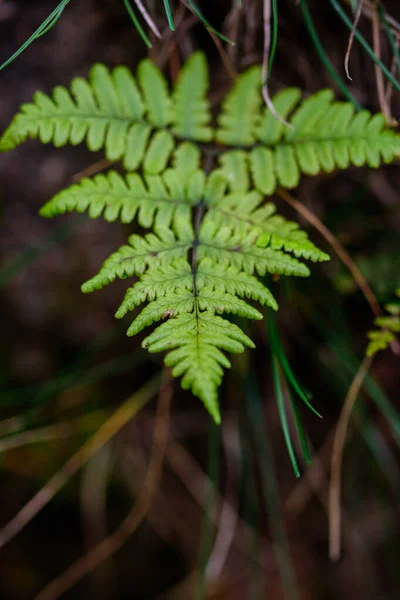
(301,434)
(207,534)
(360,38)
(136,23)
(283,418)
(373,389)
(169,15)
(52,23)
(270,488)
(202,18)
(390,37)
(338,342)
(251,512)
(324,57)
(29,255)
(49,22)
(274,37)
(276,343)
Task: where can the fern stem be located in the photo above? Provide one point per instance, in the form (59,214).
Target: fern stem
(196,241)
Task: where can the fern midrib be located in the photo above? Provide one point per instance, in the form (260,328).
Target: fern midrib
(120,118)
(196,243)
(155,254)
(127,194)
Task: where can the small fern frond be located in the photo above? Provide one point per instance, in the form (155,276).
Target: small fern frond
(389,326)
(379,339)
(161,201)
(192,110)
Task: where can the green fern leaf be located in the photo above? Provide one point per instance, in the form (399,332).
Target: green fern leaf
(192,111)
(159,201)
(109,111)
(388,325)
(324,136)
(187,159)
(140,254)
(194,342)
(246,213)
(239,117)
(212,232)
(155,92)
(379,340)
(224,247)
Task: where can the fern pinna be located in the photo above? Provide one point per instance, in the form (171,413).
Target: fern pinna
(200,190)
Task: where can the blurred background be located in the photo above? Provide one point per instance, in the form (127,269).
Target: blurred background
(226,518)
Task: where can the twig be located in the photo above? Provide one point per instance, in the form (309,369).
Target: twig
(232,73)
(380,85)
(337,247)
(393,69)
(265,63)
(368,11)
(120,418)
(92,169)
(337,457)
(139,511)
(93,505)
(351,38)
(147,18)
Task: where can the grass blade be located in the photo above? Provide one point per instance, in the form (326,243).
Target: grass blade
(136,23)
(47,24)
(324,57)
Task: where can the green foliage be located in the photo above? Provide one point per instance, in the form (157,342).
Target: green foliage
(201,194)
(389,325)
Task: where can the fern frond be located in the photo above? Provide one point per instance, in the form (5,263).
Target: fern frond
(389,325)
(192,111)
(213,234)
(155,200)
(379,340)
